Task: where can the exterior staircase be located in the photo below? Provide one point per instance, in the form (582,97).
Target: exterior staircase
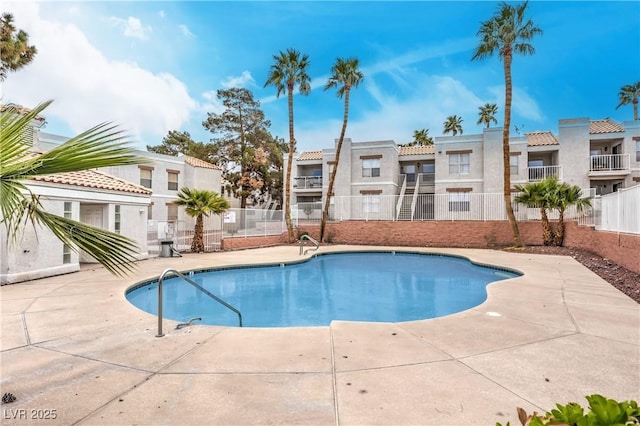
(405,207)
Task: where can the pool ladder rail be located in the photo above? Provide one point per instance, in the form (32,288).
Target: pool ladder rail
(196,285)
(307,237)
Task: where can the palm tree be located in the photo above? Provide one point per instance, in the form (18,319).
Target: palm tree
(487,114)
(629,95)
(506,33)
(199,203)
(453,125)
(537,195)
(101,146)
(289,70)
(562,197)
(421,137)
(344,75)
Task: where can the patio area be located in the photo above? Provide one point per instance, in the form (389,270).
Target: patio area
(72,345)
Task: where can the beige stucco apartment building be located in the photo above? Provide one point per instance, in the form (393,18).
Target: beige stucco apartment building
(599,154)
(136,201)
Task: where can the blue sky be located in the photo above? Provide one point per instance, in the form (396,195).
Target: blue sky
(155,66)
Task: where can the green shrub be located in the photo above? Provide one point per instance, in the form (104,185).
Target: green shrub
(602,412)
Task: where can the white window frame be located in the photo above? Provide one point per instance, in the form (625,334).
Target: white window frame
(172,185)
(145,181)
(170,209)
(371,167)
(117,219)
(460,201)
(514,164)
(459,164)
(371,203)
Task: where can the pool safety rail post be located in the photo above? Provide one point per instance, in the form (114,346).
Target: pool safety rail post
(307,237)
(196,285)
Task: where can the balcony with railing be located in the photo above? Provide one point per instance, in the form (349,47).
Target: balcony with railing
(307,182)
(539,173)
(609,165)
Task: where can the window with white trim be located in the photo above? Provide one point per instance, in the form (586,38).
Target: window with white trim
(146,177)
(371,167)
(459,201)
(67,214)
(66,254)
(172,179)
(68,209)
(117,219)
(513,164)
(637,150)
(172,212)
(371,203)
(459,164)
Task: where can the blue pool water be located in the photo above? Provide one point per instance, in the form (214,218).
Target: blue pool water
(363,286)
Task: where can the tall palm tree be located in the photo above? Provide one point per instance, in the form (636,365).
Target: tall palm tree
(101,146)
(344,75)
(487,114)
(564,196)
(538,195)
(629,95)
(453,125)
(199,203)
(421,137)
(506,33)
(289,70)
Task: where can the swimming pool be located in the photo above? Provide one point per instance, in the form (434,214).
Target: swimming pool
(354,286)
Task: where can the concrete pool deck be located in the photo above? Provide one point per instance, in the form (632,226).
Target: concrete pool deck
(73,344)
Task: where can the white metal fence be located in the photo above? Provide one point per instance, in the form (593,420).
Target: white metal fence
(620,211)
(438,207)
(252,222)
(180,233)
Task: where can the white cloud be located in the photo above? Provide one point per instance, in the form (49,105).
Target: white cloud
(132,27)
(238,81)
(434,98)
(161,13)
(90,88)
(211,103)
(185,31)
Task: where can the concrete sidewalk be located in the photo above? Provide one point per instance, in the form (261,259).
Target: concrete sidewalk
(73,348)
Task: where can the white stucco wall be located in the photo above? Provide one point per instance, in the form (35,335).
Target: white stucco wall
(38,253)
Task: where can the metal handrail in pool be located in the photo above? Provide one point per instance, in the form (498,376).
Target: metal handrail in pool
(307,237)
(196,285)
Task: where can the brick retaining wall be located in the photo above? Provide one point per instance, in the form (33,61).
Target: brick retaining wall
(623,249)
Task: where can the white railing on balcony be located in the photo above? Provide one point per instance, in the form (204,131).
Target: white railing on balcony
(608,163)
(307,182)
(542,172)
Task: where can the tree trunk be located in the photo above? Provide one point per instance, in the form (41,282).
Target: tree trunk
(546,228)
(197,245)
(287,181)
(559,237)
(505,150)
(635,109)
(332,178)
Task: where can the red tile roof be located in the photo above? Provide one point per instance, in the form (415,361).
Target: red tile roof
(604,126)
(310,155)
(417,150)
(196,162)
(19,109)
(541,138)
(93,179)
